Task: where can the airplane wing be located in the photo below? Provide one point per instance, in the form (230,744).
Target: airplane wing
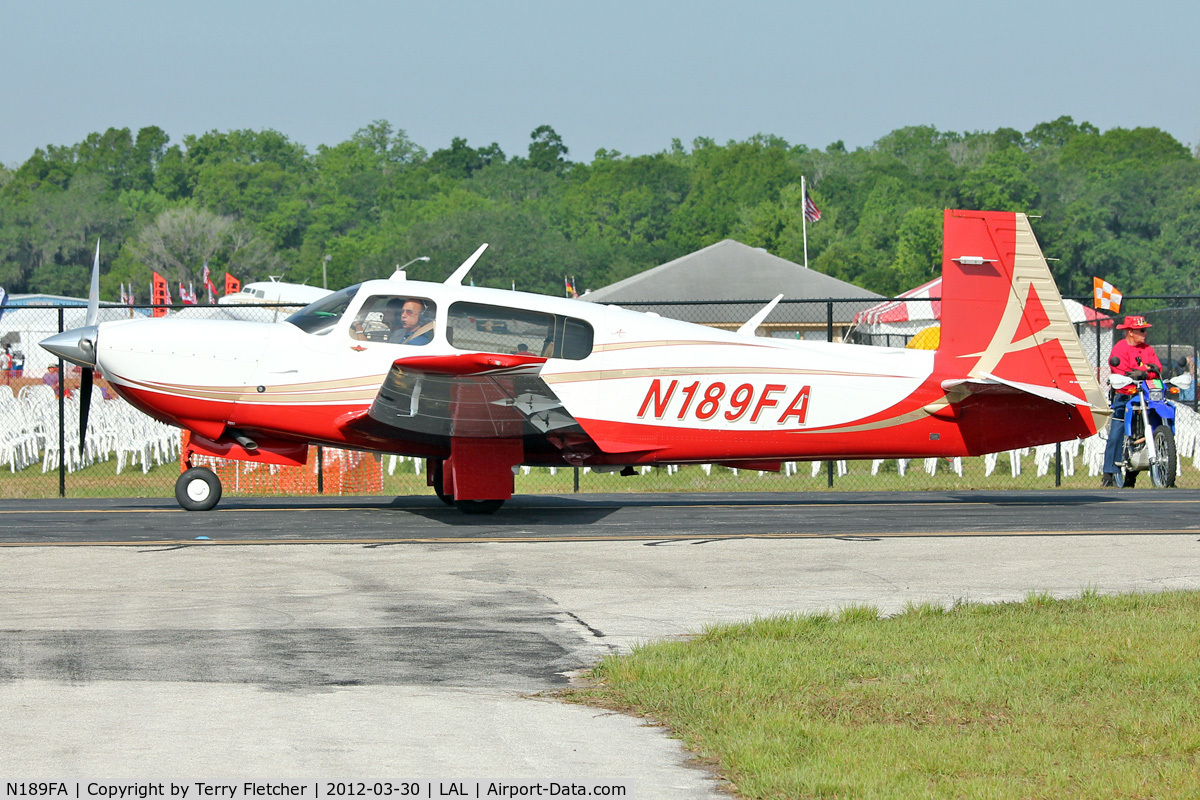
(473,395)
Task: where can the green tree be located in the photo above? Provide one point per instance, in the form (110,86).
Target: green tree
(918,249)
(181,240)
(460,161)
(1002,183)
(726,180)
(547,151)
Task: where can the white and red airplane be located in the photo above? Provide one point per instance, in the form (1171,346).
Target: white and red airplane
(478,381)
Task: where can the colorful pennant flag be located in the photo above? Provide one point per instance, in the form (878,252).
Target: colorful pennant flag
(232,285)
(1105,296)
(160,295)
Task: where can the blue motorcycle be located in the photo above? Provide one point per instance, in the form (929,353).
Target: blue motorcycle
(1151,411)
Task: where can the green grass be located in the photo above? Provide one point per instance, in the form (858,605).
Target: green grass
(101,480)
(1097,697)
(98,480)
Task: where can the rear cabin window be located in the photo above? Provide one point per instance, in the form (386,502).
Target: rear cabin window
(501,329)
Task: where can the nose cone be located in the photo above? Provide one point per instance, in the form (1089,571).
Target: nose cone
(77,346)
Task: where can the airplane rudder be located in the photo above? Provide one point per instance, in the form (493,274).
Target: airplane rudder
(977,280)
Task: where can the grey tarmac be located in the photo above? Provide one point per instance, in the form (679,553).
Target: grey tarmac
(354,638)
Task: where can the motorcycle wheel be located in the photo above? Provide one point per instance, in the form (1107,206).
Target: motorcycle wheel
(1124,479)
(1162,471)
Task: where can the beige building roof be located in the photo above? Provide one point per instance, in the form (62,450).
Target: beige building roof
(732,271)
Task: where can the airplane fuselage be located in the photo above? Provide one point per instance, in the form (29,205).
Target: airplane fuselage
(481,380)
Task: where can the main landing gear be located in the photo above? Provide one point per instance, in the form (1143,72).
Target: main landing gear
(198,489)
(437,478)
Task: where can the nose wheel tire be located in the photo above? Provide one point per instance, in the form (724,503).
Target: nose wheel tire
(198,489)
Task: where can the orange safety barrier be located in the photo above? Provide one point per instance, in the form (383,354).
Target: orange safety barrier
(343,472)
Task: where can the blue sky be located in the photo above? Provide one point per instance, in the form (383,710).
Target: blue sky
(629,76)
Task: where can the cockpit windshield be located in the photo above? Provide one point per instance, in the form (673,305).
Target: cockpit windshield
(321,316)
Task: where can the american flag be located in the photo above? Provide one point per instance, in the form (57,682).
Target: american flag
(207,280)
(811,212)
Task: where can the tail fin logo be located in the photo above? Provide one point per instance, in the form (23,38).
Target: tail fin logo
(1025,325)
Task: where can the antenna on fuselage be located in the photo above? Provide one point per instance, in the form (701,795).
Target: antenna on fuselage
(457,278)
(751,325)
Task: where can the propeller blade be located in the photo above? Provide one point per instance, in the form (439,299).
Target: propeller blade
(85,405)
(93,307)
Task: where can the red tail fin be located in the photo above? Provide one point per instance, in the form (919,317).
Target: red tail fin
(1003,321)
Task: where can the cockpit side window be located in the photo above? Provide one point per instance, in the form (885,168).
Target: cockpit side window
(320,317)
(398,319)
(499,329)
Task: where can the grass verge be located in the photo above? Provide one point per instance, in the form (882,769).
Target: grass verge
(1096,697)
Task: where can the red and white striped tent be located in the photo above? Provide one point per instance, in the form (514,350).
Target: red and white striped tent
(893,323)
(914,306)
(921,307)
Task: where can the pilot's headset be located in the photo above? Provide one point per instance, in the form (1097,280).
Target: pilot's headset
(426,315)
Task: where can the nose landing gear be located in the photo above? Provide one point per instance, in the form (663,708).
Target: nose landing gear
(198,489)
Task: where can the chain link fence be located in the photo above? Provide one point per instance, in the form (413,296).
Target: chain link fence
(128,454)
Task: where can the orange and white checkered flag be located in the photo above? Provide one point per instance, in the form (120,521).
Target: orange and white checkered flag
(1106,297)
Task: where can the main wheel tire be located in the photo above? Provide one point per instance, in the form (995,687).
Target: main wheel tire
(198,489)
(439,485)
(478,506)
(1162,472)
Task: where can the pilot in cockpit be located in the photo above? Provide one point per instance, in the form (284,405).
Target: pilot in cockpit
(409,321)
(400,320)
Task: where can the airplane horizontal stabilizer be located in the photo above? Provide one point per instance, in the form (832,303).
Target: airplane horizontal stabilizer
(987,381)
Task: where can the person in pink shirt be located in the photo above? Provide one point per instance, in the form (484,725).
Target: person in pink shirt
(1135,358)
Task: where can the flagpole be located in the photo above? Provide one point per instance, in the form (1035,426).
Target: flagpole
(804,217)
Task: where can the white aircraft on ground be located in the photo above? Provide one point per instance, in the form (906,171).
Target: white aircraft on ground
(274,291)
(491,379)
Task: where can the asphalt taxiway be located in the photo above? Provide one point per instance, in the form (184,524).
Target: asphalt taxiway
(362,637)
(424,520)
